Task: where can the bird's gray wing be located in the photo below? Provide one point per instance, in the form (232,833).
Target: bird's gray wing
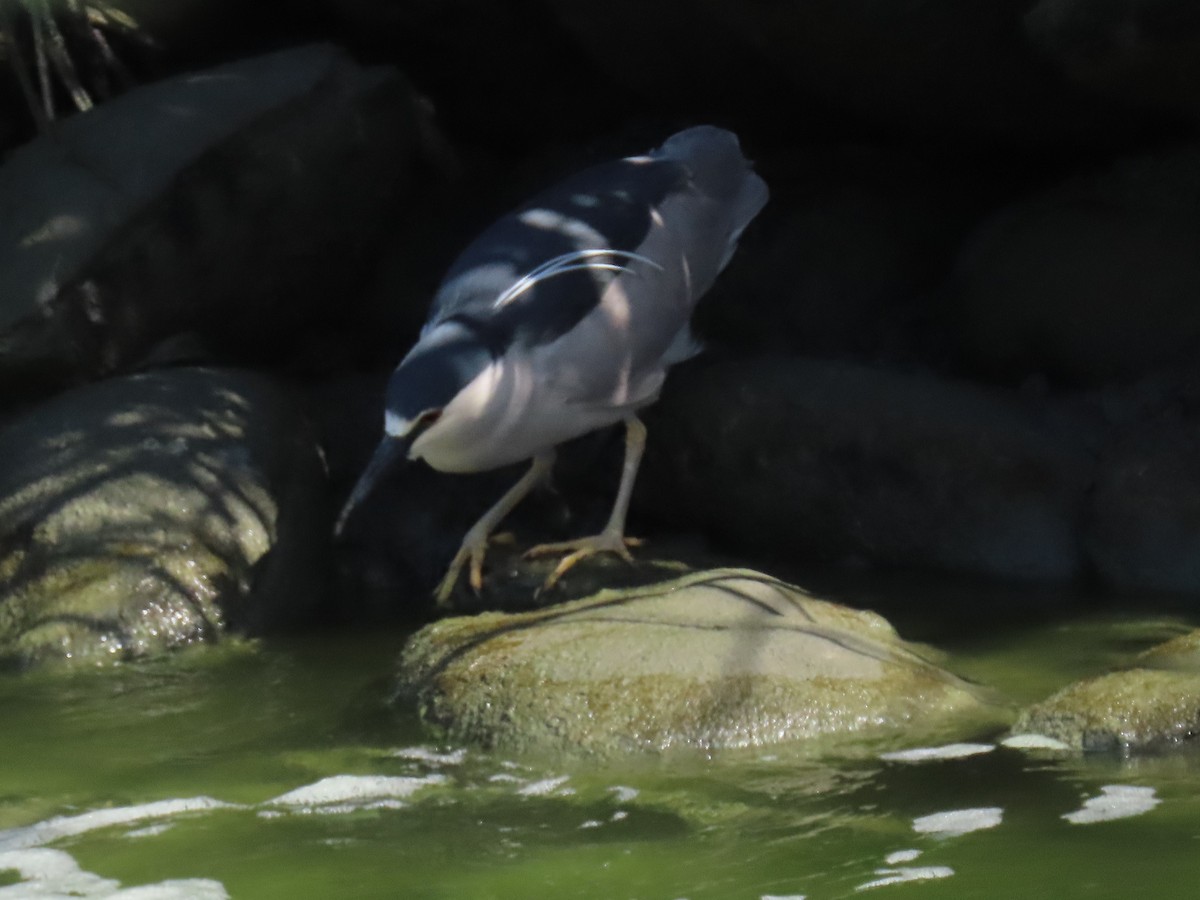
(536,272)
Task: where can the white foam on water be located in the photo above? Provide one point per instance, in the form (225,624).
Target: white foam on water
(150,830)
(591,823)
(54,875)
(355,790)
(68,826)
(906,874)
(955,822)
(782,897)
(901,856)
(426,755)
(624,794)
(1116,801)
(1034,742)
(545,787)
(946,751)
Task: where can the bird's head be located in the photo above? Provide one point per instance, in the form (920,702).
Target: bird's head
(446,359)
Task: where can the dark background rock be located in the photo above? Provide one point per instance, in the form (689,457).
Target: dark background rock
(243,240)
(1144,523)
(1092,281)
(1145,51)
(791,457)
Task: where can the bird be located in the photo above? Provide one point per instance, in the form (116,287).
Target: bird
(560,319)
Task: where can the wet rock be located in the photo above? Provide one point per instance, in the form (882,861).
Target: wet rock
(790,457)
(1142,50)
(155,511)
(1143,527)
(1133,710)
(232,203)
(716,660)
(1180,652)
(1092,281)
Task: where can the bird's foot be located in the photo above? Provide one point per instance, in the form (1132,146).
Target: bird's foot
(470,554)
(579,549)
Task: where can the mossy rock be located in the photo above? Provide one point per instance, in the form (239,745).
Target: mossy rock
(717,660)
(1132,710)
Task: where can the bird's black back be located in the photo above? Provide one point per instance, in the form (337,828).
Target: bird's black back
(608,207)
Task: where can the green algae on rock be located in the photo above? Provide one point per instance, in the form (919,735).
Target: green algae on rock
(155,511)
(716,660)
(1127,711)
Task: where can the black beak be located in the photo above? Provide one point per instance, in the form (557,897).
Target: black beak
(389,451)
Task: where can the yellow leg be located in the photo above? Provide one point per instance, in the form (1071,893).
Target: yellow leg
(474,545)
(612,539)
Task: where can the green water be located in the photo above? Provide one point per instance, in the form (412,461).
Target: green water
(244,725)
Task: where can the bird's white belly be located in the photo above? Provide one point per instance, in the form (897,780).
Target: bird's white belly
(506,415)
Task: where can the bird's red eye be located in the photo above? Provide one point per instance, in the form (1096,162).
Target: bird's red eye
(428,417)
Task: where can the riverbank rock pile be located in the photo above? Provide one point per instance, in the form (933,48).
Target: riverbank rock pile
(960,339)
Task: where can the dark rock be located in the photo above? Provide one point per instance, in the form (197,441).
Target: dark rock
(1143,528)
(844,258)
(1093,280)
(718,660)
(156,511)
(788,457)
(502,73)
(1147,51)
(961,71)
(233,203)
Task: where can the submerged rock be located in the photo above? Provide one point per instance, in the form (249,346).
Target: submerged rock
(154,511)
(715,660)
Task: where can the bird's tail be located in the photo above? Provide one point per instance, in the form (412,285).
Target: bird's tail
(714,157)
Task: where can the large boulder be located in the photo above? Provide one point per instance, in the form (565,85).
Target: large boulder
(232,203)
(716,660)
(789,457)
(156,511)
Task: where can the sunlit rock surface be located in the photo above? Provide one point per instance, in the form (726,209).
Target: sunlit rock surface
(233,202)
(155,511)
(715,660)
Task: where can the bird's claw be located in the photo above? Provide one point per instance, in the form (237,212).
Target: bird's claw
(470,554)
(580,549)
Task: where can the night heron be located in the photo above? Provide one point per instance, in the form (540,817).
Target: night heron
(562,318)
